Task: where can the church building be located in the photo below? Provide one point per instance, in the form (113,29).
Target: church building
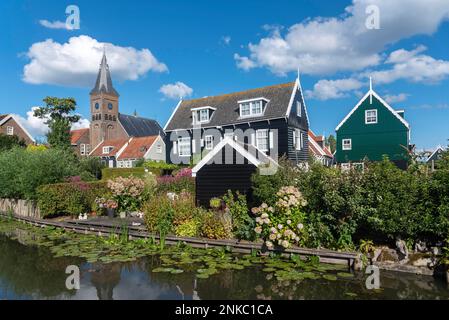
(114,131)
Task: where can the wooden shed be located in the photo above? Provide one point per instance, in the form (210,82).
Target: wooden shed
(229,166)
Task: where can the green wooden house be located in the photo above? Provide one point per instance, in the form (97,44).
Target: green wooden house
(372,130)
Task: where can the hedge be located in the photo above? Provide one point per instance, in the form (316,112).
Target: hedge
(69,198)
(111,173)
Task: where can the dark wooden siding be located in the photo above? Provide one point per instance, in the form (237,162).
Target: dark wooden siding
(215,180)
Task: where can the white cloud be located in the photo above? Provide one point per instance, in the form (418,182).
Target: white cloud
(244,62)
(226,40)
(333,89)
(37,127)
(176,90)
(76,62)
(412,66)
(329,45)
(391,98)
(55,24)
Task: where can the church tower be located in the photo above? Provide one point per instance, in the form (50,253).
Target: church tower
(104,100)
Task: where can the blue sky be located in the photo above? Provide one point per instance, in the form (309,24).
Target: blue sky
(214,47)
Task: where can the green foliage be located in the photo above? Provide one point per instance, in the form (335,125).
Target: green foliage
(128,192)
(160,168)
(58,116)
(265,187)
(9,142)
(112,173)
(190,228)
(215,203)
(332,143)
(93,166)
(23,171)
(69,198)
(213,227)
(366,246)
(243,223)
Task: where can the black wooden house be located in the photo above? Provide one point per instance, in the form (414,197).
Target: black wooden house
(274,119)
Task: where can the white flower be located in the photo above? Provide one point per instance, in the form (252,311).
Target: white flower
(258,219)
(272,236)
(269,244)
(280,226)
(285,244)
(289,222)
(273,230)
(297,239)
(264,215)
(258,230)
(300,226)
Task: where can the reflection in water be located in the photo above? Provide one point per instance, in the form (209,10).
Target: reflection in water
(28,272)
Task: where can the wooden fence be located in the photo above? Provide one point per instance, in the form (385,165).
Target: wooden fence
(21,208)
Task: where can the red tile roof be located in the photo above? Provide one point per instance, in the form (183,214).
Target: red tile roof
(75,135)
(315,146)
(3,116)
(116,145)
(137,147)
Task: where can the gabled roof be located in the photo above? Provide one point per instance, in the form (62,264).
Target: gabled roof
(137,148)
(5,117)
(140,127)
(315,147)
(227,107)
(117,145)
(104,80)
(249,152)
(437,150)
(371,93)
(76,135)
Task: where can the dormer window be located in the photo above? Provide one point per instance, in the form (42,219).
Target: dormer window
(202,114)
(107,150)
(252,107)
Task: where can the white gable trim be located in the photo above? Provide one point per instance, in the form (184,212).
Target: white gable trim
(96,147)
(149,149)
(123,148)
(369,94)
(235,145)
(173,114)
(11,116)
(316,145)
(292,97)
(433,153)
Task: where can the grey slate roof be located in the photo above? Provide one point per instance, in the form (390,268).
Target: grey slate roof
(104,80)
(228,108)
(140,127)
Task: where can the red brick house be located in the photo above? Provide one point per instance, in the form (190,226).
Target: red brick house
(10,125)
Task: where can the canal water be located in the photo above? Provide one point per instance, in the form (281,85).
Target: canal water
(31,272)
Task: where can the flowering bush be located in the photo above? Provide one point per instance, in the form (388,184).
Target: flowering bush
(283,223)
(128,192)
(181,181)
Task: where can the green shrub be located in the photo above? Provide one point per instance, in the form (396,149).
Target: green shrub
(243,223)
(22,171)
(112,173)
(189,228)
(69,198)
(212,227)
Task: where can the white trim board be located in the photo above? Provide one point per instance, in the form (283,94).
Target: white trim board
(366,96)
(173,114)
(235,145)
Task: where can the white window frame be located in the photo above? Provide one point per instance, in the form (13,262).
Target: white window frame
(298,140)
(371,119)
(88,149)
(182,143)
(82,149)
(345,146)
(9,130)
(250,107)
(299,108)
(159,148)
(345,167)
(107,150)
(203,112)
(266,138)
(209,142)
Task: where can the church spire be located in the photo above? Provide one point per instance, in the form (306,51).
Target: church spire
(104,80)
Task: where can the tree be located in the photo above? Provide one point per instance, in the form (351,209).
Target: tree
(8,142)
(59,117)
(332,143)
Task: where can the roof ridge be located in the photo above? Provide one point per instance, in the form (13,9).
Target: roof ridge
(243,91)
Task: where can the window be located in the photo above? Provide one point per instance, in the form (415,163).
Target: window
(110,106)
(87,149)
(9,130)
(245,109)
(347,144)
(204,115)
(209,142)
(251,108)
(184,147)
(345,167)
(297,139)
(298,108)
(97,106)
(262,140)
(107,150)
(159,148)
(82,149)
(371,116)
